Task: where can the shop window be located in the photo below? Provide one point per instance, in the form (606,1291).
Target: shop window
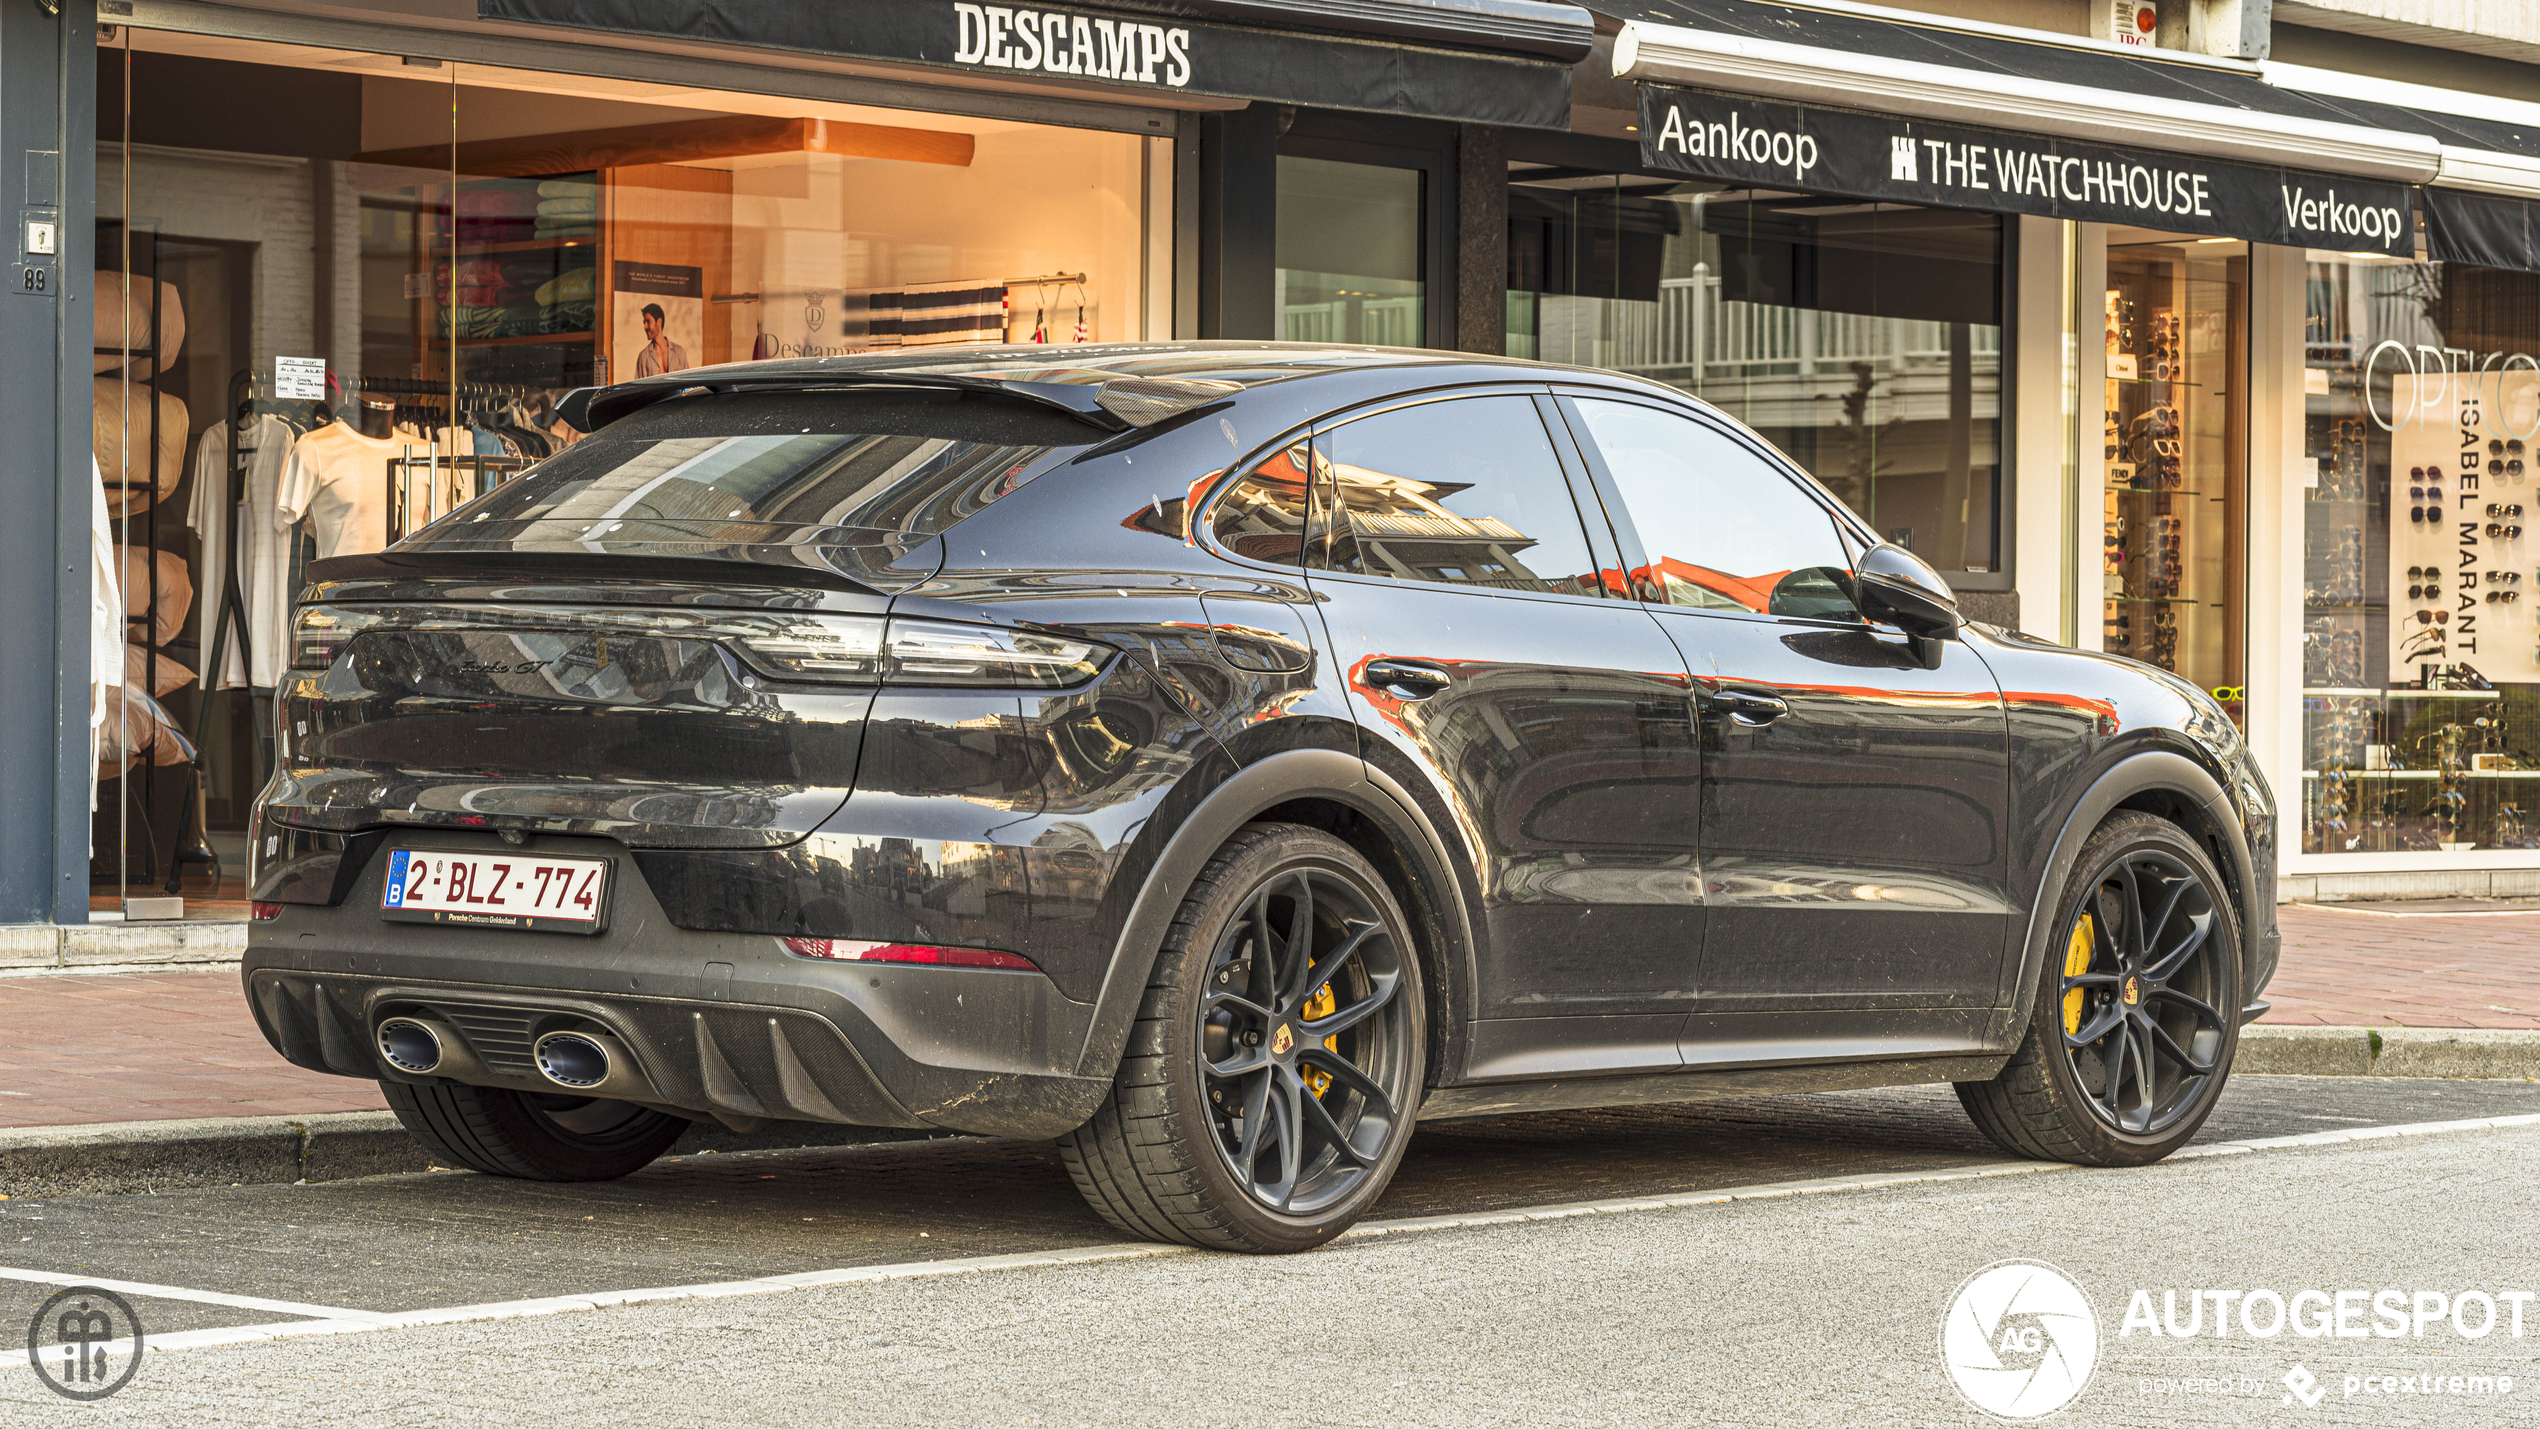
(451,248)
(1863,340)
(2421,684)
(1350,253)
(2174,460)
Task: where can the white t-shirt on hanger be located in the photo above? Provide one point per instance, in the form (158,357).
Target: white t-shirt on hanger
(338,479)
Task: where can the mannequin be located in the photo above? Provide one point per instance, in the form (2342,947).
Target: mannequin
(374,416)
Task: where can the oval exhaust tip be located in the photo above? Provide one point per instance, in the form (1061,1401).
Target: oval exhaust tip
(409,1046)
(570,1059)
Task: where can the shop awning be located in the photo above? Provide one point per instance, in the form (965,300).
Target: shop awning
(1481,61)
(2264,138)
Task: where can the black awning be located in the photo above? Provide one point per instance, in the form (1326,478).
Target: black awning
(1805,148)
(1507,64)
(2482,229)
(2096,67)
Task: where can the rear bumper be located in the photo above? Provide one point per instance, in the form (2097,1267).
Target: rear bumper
(725,1025)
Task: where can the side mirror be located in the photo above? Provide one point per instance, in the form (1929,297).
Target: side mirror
(1896,588)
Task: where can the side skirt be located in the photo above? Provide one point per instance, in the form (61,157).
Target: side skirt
(1447,1103)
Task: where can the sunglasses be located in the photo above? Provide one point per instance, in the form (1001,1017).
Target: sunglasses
(2425,493)
(2433,617)
(2504,577)
(2506,533)
(2513,511)
(2503,597)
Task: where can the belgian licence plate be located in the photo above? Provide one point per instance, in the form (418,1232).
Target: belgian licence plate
(479,890)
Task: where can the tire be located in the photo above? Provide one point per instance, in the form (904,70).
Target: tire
(1219,1047)
(530,1135)
(2166,1010)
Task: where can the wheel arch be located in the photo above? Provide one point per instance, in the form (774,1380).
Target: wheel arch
(1318,788)
(2167,786)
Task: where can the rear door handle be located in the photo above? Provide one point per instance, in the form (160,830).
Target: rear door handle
(1412,682)
(1750,707)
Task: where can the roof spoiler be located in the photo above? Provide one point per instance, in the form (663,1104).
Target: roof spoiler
(1116,405)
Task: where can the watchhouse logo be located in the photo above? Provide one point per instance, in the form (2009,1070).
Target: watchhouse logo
(85,1343)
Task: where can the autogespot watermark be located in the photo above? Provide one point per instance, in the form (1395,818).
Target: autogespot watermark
(2020,1339)
(85,1343)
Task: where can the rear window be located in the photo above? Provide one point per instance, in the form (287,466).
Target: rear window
(772,468)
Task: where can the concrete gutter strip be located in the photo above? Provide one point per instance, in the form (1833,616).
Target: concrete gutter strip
(34,948)
(2388,1052)
(133,1158)
(145,1157)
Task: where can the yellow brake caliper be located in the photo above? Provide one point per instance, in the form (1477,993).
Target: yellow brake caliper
(1321,1004)
(2076,962)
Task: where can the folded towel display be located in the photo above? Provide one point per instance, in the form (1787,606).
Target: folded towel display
(568,188)
(571,286)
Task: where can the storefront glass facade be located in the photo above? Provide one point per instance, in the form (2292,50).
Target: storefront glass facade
(1863,339)
(2420,680)
(453,247)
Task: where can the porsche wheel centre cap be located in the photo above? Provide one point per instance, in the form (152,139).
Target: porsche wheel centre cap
(1281,1041)
(2133,994)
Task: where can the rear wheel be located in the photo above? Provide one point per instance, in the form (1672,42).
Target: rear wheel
(532,1135)
(1270,1082)
(2135,1020)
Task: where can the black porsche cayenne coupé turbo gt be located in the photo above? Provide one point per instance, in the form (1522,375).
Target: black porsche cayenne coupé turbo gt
(1219,757)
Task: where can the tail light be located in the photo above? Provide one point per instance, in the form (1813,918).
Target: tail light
(264,912)
(863,650)
(850,951)
(322,631)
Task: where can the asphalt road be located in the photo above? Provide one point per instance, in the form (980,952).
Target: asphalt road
(1768,1311)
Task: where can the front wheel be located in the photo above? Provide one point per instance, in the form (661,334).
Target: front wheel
(1269,1085)
(2135,1021)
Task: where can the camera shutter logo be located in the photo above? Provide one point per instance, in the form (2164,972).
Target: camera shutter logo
(2019,1339)
(85,1343)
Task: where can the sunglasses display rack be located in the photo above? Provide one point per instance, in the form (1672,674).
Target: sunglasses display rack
(2167,464)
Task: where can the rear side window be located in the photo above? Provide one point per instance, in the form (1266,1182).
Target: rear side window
(1721,528)
(1264,516)
(770,467)
(1461,492)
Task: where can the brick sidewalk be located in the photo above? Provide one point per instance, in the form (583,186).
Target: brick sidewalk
(2409,965)
(80,1050)
(148,1047)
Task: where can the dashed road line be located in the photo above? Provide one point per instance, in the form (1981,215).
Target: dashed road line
(326,1321)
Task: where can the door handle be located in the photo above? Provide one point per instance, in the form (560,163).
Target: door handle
(1412,682)
(1750,707)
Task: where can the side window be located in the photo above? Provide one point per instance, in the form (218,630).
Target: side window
(1720,527)
(1462,492)
(1264,517)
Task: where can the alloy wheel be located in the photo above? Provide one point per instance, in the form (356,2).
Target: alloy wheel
(1304,1040)
(2143,1029)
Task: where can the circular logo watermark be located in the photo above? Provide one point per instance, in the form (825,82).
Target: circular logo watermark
(2019,1339)
(85,1343)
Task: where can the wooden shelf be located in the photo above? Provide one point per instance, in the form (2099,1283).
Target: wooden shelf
(520,245)
(527,339)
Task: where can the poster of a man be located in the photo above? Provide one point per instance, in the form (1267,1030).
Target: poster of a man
(658,317)
(660,354)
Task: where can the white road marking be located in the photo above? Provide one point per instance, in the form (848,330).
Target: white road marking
(343,1322)
(2429,913)
(176,1292)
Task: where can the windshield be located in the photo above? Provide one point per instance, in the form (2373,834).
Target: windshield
(761,469)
